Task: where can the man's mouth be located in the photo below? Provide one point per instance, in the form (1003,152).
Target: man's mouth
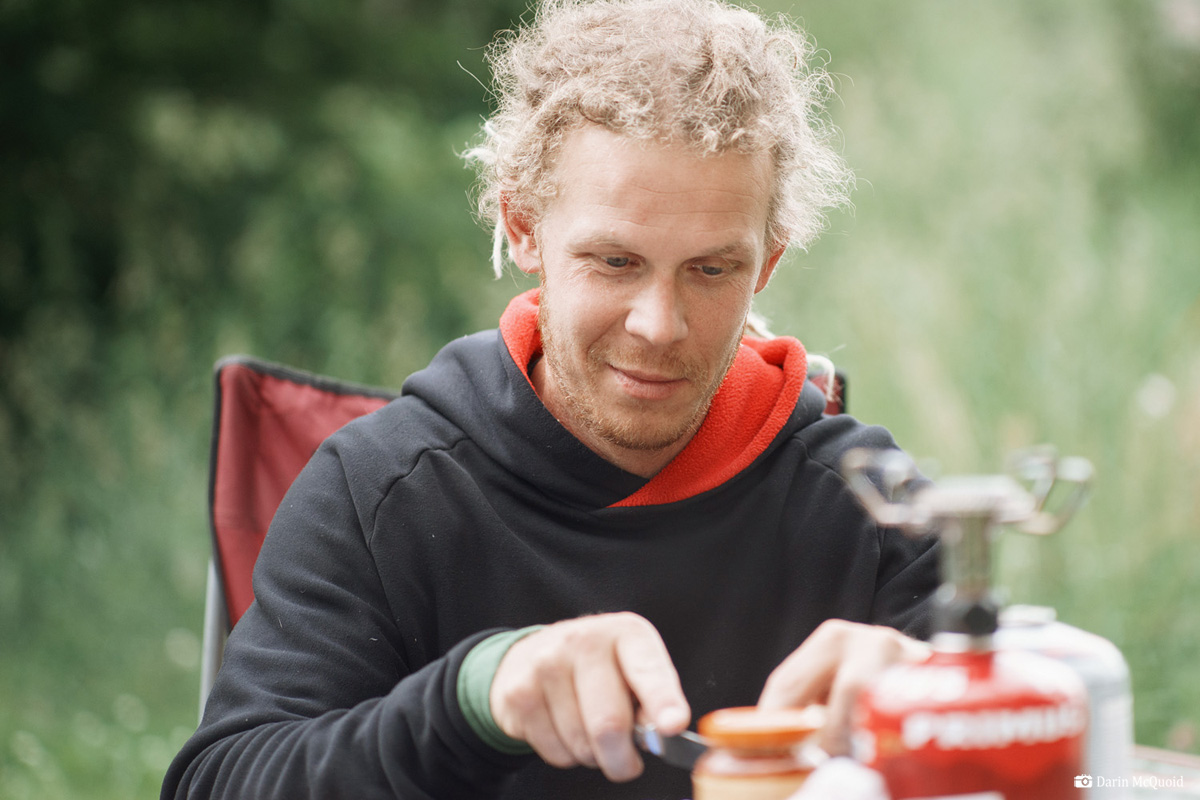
(645,385)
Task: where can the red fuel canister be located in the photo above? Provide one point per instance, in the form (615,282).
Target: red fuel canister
(974,722)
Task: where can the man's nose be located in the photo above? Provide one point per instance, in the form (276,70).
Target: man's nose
(657,313)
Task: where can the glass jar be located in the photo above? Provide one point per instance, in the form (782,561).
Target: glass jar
(755,754)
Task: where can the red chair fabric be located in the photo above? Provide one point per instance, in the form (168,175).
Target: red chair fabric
(835,397)
(269,420)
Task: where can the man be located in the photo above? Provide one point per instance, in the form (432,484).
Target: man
(615,508)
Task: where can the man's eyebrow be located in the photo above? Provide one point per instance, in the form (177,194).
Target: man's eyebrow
(743,249)
(586,242)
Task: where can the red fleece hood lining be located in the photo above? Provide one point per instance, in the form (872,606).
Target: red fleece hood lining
(749,410)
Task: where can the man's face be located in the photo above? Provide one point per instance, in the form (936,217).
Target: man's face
(649,257)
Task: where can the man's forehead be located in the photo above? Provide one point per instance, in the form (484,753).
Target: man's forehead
(593,141)
(598,167)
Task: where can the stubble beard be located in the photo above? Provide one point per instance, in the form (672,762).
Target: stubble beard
(629,428)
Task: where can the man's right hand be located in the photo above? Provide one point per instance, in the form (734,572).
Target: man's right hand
(572,691)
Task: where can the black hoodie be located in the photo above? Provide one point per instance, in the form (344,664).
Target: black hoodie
(464,508)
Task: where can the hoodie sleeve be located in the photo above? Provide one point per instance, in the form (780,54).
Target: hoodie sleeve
(315,698)
(906,574)
(907,579)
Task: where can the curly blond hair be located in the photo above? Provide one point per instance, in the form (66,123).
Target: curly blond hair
(702,73)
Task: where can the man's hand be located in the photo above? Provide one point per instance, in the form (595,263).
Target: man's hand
(572,690)
(832,666)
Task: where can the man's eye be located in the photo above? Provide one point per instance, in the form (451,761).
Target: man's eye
(616,261)
(712,270)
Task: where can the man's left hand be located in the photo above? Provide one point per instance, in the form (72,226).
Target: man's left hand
(832,666)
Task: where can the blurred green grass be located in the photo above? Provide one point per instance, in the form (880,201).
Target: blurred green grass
(1022,265)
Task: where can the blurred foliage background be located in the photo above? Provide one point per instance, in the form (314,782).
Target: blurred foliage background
(179,181)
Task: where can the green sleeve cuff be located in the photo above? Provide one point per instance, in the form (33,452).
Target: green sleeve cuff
(475,688)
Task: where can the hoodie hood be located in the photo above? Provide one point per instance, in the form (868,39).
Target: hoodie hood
(751,408)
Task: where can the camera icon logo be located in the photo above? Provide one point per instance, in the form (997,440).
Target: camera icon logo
(1083,781)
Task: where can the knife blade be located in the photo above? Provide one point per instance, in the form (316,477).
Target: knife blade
(681,750)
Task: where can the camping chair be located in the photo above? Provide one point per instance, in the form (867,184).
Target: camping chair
(269,419)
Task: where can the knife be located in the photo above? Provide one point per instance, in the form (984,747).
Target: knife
(681,750)
(684,749)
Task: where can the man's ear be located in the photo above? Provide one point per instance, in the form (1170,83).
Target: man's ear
(522,239)
(769,267)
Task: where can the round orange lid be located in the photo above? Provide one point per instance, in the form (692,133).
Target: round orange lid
(751,727)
